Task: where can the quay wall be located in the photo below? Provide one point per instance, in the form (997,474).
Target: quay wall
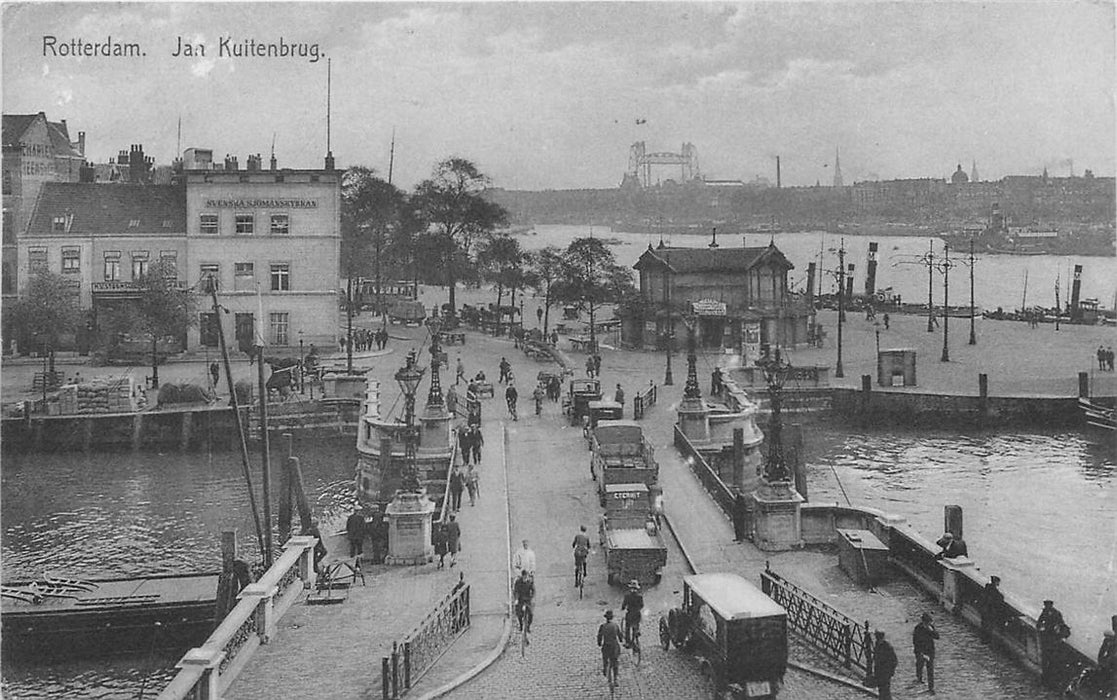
(912,408)
(184,427)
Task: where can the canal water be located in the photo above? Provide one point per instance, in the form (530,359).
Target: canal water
(1039,512)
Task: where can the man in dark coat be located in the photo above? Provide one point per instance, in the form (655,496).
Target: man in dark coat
(215,373)
(923,640)
(453,539)
(1052,629)
(884,666)
(951,547)
(355,533)
(992,608)
(457,485)
(465,446)
(476,440)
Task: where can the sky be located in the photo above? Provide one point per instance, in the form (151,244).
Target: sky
(552,95)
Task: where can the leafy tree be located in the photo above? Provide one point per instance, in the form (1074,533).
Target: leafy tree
(591,278)
(378,225)
(546,268)
(450,202)
(501,261)
(47,310)
(163,308)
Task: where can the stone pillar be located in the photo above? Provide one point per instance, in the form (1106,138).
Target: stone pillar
(409,529)
(694,421)
(776,516)
(209,659)
(952,520)
(306,560)
(265,603)
(434,436)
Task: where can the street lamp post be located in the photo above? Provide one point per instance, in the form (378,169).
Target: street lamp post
(945,266)
(930,258)
(776,371)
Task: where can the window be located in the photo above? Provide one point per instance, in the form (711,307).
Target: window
(212,272)
(278,324)
(58,224)
(71,260)
(207,329)
(133,223)
(209,224)
(7,182)
(139,264)
(166,223)
(37,260)
(281,277)
(244,277)
(112,265)
(169,260)
(280,224)
(245,223)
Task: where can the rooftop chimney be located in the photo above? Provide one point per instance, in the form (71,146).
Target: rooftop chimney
(274,163)
(230,162)
(330,160)
(254,162)
(86,172)
(81,142)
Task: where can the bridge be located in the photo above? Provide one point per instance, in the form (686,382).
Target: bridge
(640,162)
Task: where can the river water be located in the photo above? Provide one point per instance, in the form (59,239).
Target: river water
(1039,507)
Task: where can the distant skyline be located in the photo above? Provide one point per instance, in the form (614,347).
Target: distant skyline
(552,95)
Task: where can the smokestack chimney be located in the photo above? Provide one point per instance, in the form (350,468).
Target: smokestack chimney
(779,182)
(274,162)
(330,160)
(810,285)
(81,143)
(849,283)
(871,275)
(1075,291)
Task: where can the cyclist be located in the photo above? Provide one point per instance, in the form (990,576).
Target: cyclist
(581,547)
(609,639)
(524,593)
(633,606)
(511,396)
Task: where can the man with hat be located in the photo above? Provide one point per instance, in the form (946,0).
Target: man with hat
(1051,629)
(992,608)
(951,547)
(884,666)
(609,639)
(633,606)
(923,640)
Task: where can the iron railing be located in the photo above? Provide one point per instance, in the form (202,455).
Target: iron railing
(824,627)
(719,491)
(643,401)
(420,649)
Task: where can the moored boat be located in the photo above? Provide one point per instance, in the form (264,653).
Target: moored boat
(57,617)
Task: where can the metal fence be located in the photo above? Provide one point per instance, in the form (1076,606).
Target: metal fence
(420,649)
(643,401)
(838,636)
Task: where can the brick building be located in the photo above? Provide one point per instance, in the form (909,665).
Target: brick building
(737,297)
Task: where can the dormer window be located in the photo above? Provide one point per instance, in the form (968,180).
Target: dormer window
(58,224)
(166,223)
(134,223)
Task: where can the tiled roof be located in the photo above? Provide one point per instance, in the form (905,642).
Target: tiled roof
(15,125)
(689,260)
(60,140)
(100,209)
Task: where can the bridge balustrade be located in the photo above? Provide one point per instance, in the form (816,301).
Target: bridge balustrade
(644,400)
(420,649)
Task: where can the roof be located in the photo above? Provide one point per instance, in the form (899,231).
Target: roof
(732,597)
(15,125)
(109,209)
(684,260)
(60,140)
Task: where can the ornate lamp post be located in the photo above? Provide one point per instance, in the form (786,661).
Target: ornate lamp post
(691,389)
(973,333)
(944,266)
(434,397)
(408,378)
(302,365)
(776,371)
(839,371)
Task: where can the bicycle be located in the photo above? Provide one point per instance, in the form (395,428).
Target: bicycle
(580,574)
(512,410)
(636,653)
(524,615)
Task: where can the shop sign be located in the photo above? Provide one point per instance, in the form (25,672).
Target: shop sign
(709,307)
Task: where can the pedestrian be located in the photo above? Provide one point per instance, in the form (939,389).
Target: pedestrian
(539,316)
(884,666)
(538,396)
(618,396)
(740,517)
(511,396)
(320,550)
(596,365)
(355,533)
(1109,357)
(886,320)
(554,338)
(472,484)
(215,372)
(440,542)
(923,641)
(1101,357)
(589,367)
(609,639)
(476,441)
(716,381)
(453,539)
(505,367)
(1052,630)
(524,559)
(556,389)
(992,608)
(464,444)
(457,485)
(451,401)
(460,376)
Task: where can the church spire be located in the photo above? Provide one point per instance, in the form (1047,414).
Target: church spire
(973,172)
(837,168)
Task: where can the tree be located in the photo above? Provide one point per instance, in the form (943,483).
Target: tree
(546,270)
(501,261)
(377,226)
(163,308)
(591,278)
(450,202)
(47,310)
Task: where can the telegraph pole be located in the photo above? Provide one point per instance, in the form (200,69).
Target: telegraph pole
(973,333)
(946,265)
